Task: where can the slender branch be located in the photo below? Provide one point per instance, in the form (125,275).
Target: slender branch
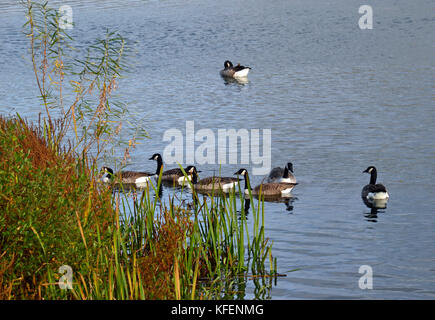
(35,69)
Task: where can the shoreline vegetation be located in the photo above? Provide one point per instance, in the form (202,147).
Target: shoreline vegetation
(54,212)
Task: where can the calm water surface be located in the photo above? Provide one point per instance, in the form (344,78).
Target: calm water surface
(337,99)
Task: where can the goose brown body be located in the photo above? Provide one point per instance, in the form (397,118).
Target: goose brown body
(214,183)
(273,188)
(266,189)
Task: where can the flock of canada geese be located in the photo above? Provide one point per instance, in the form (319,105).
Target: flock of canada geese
(279,183)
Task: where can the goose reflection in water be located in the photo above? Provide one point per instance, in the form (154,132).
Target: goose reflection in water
(287,201)
(240,81)
(246,207)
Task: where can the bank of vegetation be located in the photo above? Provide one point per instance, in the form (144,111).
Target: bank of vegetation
(64,235)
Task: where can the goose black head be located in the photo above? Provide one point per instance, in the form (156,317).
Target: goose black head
(242,172)
(191,170)
(290,166)
(373,174)
(156,156)
(193,173)
(106,170)
(370,170)
(228,64)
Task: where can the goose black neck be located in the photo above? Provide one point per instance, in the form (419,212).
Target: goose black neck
(247,184)
(373,176)
(247,205)
(159,166)
(285,175)
(194,178)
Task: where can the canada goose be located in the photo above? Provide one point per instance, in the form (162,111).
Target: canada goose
(106,174)
(374,191)
(267,189)
(285,174)
(172,175)
(139,178)
(183,180)
(126,177)
(234,72)
(224,184)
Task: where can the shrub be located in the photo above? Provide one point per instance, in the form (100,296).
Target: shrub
(50,210)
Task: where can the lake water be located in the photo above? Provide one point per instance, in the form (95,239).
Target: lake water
(336,98)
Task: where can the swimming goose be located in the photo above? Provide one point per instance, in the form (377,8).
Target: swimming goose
(224,184)
(106,174)
(126,177)
(374,191)
(190,171)
(234,72)
(267,189)
(139,178)
(285,174)
(171,175)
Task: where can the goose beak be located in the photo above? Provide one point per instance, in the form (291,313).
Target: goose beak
(151,158)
